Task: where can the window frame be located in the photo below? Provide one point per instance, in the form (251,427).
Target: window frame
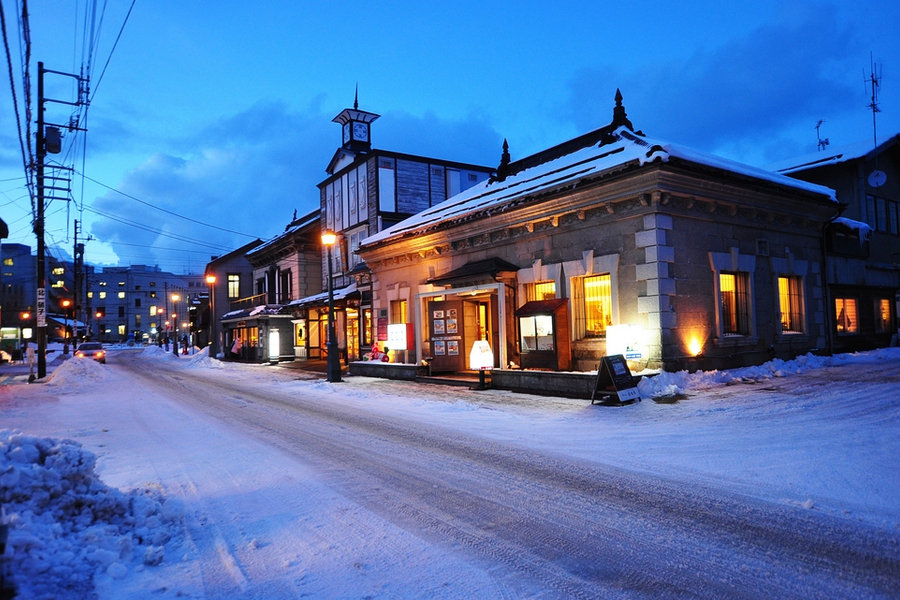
(233,285)
(796,306)
(735,263)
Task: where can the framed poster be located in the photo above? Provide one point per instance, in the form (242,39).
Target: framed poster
(437,314)
(439,348)
(453,348)
(438,326)
(451,325)
(451,313)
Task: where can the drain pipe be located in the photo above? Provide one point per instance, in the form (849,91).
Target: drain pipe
(829,317)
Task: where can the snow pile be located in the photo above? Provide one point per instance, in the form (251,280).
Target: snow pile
(66,526)
(676,384)
(77,371)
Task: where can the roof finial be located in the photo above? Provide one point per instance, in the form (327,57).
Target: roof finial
(619,116)
(356,97)
(503,169)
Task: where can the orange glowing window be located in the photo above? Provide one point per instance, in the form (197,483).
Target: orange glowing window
(845,312)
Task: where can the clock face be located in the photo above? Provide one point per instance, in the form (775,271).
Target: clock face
(346,132)
(360,132)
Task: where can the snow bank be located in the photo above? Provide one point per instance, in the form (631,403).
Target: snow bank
(77,372)
(675,384)
(66,526)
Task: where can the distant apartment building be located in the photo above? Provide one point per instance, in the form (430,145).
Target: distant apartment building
(141,303)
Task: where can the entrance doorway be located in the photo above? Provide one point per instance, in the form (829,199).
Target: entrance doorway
(454,325)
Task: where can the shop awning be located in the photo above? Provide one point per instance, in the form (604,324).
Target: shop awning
(475,272)
(540,307)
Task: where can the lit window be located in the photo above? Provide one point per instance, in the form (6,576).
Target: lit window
(58,270)
(845,312)
(90,294)
(596,295)
(883,315)
(234,286)
(735,301)
(121,294)
(121,284)
(399,311)
(121,330)
(540,290)
(102,295)
(153,311)
(8,262)
(790,301)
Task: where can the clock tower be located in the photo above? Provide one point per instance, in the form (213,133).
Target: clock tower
(356,127)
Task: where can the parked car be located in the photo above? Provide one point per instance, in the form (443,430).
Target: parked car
(92,350)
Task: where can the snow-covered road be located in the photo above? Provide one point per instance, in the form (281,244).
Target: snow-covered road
(304,489)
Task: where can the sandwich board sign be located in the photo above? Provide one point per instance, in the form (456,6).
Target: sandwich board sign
(615,381)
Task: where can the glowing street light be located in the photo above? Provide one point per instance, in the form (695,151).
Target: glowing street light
(175,299)
(333,367)
(211,282)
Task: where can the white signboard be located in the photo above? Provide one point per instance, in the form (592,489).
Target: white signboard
(41,307)
(397,336)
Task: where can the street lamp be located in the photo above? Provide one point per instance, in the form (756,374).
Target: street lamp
(333,367)
(65,305)
(211,282)
(175,299)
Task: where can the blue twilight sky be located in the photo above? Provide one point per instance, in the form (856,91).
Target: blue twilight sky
(219,113)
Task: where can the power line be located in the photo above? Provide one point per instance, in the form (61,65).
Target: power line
(159,232)
(168,212)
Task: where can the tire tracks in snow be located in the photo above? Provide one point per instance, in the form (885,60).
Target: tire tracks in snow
(575,529)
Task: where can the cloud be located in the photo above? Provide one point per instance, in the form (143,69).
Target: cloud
(245,173)
(745,92)
(248,172)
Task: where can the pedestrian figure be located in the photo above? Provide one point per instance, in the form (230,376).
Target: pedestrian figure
(167,343)
(236,348)
(184,345)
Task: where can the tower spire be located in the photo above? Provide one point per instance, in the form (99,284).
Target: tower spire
(356,97)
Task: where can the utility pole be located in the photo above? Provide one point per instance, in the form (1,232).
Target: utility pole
(41,306)
(45,145)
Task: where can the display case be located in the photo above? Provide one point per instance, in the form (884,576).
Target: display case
(544,341)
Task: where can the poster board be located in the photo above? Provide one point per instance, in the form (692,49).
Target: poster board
(615,381)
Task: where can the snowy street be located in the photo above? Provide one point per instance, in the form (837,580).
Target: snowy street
(782,486)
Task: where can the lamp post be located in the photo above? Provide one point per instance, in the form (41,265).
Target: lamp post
(65,305)
(211,282)
(175,299)
(333,367)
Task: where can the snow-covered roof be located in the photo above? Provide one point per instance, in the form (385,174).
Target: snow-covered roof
(565,171)
(245,313)
(831,156)
(294,226)
(863,229)
(339,294)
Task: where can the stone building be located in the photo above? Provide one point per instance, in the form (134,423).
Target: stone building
(612,243)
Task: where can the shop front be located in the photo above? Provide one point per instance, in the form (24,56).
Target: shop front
(453,320)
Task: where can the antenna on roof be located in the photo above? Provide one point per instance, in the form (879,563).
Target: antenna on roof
(822,143)
(876,178)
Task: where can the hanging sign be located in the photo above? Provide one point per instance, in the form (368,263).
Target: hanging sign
(615,381)
(41,307)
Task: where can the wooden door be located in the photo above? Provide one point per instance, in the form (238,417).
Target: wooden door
(445,328)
